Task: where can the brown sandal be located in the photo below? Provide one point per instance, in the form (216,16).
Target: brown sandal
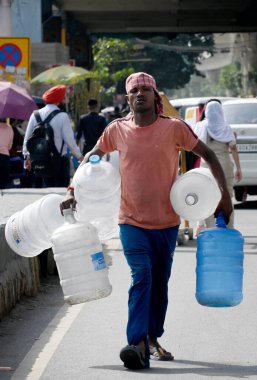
(159,353)
(132,357)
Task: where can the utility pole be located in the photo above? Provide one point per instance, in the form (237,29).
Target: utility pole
(244,64)
(5,18)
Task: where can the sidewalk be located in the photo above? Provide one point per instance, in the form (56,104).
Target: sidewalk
(13,200)
(18,275)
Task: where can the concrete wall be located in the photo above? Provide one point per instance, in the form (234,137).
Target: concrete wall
(44,55)
(26,19)
(50,53)
(19,276)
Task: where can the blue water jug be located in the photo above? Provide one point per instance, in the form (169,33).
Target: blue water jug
(219,269)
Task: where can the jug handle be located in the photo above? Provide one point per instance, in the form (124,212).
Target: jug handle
(68,214)
(220,220)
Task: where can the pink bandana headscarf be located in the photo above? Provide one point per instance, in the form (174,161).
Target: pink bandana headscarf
(143,79)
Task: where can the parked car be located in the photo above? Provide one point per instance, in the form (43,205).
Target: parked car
(241,114)
(190,109)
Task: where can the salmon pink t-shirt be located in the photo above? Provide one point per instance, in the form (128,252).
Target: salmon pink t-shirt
(148,159)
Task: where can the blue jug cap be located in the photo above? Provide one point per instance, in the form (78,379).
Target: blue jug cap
(94,159)
(220,221)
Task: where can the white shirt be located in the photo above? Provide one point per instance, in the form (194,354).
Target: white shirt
(62,131)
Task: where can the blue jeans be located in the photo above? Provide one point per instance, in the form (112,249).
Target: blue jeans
(149,254)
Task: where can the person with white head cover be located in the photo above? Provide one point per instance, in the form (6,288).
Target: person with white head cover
(218,135)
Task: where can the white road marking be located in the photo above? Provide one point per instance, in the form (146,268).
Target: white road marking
(36,360)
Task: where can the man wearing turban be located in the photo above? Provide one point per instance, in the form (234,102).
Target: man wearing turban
(149,145)
(63,135)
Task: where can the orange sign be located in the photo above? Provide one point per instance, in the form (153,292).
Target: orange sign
(15,60)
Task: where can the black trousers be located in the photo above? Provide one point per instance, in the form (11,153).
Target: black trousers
(87,149)
(5,168)
(62,179)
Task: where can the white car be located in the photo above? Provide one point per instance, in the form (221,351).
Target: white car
(190,109)
(241,114)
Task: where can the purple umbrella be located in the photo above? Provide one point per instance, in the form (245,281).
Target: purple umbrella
(15,102)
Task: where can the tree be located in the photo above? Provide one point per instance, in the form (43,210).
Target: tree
(111,64)
(172,61)
(231,79)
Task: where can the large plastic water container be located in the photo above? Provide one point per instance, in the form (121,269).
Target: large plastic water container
(219,269)
(195,195)
(80,261)
(97,192)
(114,159)
(28,232)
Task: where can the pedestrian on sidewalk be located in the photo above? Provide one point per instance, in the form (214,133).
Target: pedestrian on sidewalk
(149,145)
(90,126)
(6,141)
(63,135)
(215,132)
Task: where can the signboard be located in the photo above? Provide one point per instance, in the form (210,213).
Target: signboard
(15,60)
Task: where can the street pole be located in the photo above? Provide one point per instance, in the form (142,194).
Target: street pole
(245,63)
(244,72)
(5,18)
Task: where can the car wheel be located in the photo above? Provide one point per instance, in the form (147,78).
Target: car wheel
(239,193)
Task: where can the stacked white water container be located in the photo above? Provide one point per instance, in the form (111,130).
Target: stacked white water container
(114,159)
(28,232)
(78,252)
(80,261)
(195,195)
(97,192)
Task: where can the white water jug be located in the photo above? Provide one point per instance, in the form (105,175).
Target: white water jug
(195,195)
(80,261)
(28,232)
(114,159)
(97,192)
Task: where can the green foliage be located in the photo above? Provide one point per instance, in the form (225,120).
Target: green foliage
(228,83)
(111,64)
(212,88)
(199,87)
(231,79)
(172,61)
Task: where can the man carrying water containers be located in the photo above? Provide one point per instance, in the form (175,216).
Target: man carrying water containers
(148,145)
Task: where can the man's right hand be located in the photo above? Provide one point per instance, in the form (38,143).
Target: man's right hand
(225,205)
(69,202)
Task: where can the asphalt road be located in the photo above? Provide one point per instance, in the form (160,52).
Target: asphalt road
(44,339)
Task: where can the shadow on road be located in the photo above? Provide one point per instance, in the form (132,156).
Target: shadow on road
(194,367)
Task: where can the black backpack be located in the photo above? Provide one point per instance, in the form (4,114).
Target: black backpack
(44,156)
